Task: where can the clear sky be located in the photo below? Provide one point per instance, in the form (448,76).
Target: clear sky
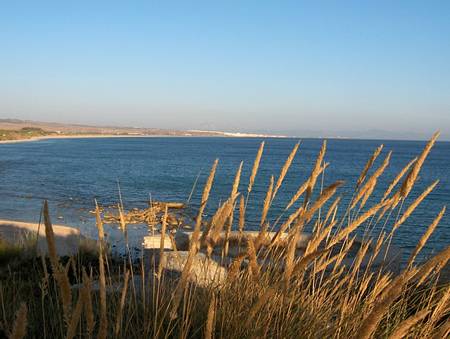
(295,67)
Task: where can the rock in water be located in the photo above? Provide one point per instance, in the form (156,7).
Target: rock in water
(204,271)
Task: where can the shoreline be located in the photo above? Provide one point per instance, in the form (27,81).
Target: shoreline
(88,136)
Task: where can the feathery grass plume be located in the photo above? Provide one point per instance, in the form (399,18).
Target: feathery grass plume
(20,324)
(50,237)
(303,188)
(359,257)
(367,189)
(293,238)
(209,327)
(303,215)
(403,328)
(331,213)
(413,206)
(103,327)
(218,222)
(315,172)
(75,319)
(58,271)
(285,226)
(267,202)
(371,321)
(235,266)
(123,296)
(234,192)
(265,297)
(251,253)
(87,302)
(241,214)
(161,245)
(438,261)
(356,223)
(284,170)
(255,168)
(326,194)
(193,245)
(443,331)
(369,164)
(425,236)
(397,178)
(442,306)
(318,237)
(303,218)
(413,174)
(298,194)
(304,261)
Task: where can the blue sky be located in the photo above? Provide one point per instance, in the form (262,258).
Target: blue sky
(317,67)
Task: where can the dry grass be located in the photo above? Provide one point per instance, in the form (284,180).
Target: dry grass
(274,288)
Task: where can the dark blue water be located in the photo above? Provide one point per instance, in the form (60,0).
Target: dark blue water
(71,173)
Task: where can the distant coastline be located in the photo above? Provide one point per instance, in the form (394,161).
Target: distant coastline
(13,131)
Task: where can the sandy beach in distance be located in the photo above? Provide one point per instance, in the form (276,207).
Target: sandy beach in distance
(80,136)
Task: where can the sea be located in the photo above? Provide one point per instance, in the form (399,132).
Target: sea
(72,173)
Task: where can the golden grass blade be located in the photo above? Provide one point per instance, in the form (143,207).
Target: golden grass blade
(103,327)
(403,328)
(161,245)
(241,214)
(220,218)
(251,252)
(318,237)
(290,254)
(237,179)
(267,201)
(301,265)
(285,226)
(316,171)
(209,327)
(58,271)
(123,296)
(438,261)
(87,302)
(398,178)
(442,306)
(425,236)
(443,331)
(255,168)
(194,244)
(75,319)
(284,170)
(369,164)
(234,192)
(413,206)
(414,173)
(368,187)
(235,266)
(303,187)
(266,296)
(20,324)
(370,323)
(327,193)
(50,237)
(356,223)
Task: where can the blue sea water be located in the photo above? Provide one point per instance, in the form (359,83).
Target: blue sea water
(71,173)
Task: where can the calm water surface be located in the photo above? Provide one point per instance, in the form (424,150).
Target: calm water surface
(71,173)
